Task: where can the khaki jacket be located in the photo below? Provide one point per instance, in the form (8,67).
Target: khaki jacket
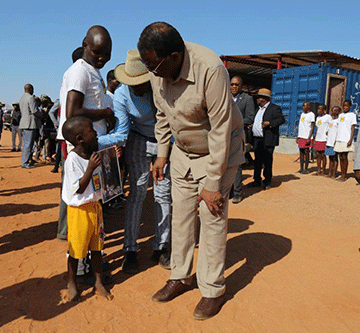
(198,111)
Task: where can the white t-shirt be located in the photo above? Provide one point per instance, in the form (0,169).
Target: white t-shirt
(305,124)
(332,131)
(322,124)
(75,167)
(346,120)
(86,79)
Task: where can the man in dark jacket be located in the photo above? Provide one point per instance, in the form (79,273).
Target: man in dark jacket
(265,130)
(246,105)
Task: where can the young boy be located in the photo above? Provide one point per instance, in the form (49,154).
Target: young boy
(322,124)
(345,136)
(82,192)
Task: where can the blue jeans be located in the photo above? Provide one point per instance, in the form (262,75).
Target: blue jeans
(140,153)
(28,143)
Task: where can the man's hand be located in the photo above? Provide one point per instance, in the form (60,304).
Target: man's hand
(158,169)
(214,201)
(349,143)
(94,161)
(265,124)
(118,150)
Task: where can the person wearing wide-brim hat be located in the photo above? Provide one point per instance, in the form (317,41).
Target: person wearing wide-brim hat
(136,113)
(268,118)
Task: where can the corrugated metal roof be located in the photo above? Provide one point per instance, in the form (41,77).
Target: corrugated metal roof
(269,61)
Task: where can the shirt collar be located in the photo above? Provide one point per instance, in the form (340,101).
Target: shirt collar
(187,68)
(266,105)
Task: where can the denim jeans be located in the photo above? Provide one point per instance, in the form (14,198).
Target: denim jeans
(140,153)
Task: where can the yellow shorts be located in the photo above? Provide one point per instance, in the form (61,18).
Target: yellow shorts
(85,229)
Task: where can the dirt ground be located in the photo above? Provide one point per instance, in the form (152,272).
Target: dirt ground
(292,264)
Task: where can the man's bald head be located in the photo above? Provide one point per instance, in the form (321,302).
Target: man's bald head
(97,46)
(161,37)
(28,88)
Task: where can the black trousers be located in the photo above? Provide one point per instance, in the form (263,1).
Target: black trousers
(263,158)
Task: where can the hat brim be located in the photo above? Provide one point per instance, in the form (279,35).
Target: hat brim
(263,95)
(122,77)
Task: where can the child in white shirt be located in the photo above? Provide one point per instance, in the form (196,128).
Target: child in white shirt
(82,192)
(306,130)
(330,142)
(345,136)
(322,124)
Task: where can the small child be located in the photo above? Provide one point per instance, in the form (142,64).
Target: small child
(82,192)
(306,130)
(357,160)
(345,136)
(322,124)
(331,136)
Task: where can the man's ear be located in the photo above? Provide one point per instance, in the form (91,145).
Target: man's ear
(175,56)
(79,138)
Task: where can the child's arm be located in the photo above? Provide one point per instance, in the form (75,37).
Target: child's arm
(351,135)
(311,133)
(94,162)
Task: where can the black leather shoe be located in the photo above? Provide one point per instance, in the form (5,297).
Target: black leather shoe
(171,289)
(130,264)
(162,257)
(237,199)
(208,307)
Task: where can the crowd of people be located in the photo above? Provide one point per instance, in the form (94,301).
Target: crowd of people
(331,134)
(170,109)
(33,123)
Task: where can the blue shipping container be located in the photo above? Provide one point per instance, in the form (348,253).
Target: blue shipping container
(291,87)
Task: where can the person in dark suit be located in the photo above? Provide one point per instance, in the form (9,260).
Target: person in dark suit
(265,130)
(246,105)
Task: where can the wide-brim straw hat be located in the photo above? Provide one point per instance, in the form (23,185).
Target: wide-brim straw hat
(264,92)
(133,72)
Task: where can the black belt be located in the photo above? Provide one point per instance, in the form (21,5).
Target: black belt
(148,138)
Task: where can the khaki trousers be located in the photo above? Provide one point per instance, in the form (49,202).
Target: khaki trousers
(213,232)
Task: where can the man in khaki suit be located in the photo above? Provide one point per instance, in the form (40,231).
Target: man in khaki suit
(192,94)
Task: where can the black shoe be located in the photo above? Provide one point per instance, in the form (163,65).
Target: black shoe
(267,186)
(13,149)
(162,257)
(130,264)
(54,170)
(19,149)
(237,198)
(305,172)
(254,184)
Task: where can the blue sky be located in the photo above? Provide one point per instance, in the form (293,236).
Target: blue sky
(37,38)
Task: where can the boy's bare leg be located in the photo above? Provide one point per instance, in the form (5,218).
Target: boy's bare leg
(318,163)
(96,261)
(323,157)
(343,165)
(73,293)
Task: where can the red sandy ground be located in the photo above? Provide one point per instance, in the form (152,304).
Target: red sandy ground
(292,264)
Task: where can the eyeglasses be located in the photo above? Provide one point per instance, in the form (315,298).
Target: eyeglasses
(234,84)
(155,70)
